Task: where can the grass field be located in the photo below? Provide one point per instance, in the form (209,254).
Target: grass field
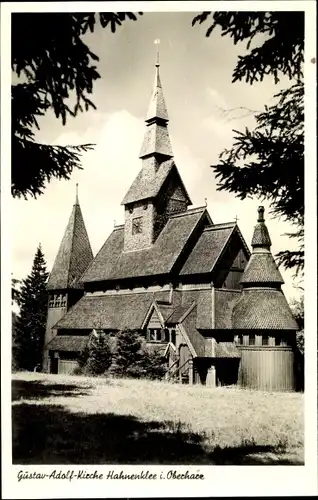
(76,420)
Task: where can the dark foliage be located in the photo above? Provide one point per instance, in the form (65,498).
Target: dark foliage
(126,353)
(15,293)
(99,355)
(54,66)
(132,359)
(281,52)
(149,364)
(30,324)
(268,162)
(297,307)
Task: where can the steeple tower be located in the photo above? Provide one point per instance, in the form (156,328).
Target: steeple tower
(74,254)
(158,191)
(73,257)
(156,140)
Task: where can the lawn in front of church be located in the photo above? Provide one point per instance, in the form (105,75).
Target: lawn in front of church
(83,420)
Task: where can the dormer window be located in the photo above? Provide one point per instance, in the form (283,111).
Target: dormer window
(137,225)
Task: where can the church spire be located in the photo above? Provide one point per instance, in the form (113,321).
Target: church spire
(157,141)
(261,270)
(74,254)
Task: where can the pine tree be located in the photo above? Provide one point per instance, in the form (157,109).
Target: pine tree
(127,352)
(53,67)
(268,161)
(30,324)
(99,355)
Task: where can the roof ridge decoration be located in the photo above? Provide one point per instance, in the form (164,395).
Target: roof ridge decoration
(224,225)
(261,236)
(74,254)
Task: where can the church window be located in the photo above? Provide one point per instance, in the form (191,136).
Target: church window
(154,335)
(239,339)
(283,342)
(252,339)
(265,340)
(137,225)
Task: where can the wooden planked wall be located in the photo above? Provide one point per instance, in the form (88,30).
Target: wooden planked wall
(267,368)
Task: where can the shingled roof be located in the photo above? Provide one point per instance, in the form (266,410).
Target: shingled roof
(224,302)
(157,106)
(147,186)
(263,308)
(261,236)
(208,249)
(262,304)
(261,268)
(74,254)
(73,343)
(112,263)
(111,312)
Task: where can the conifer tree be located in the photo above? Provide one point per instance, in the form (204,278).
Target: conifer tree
(127,353)
(55,70)
(268,161)
(99,356)
(30,324)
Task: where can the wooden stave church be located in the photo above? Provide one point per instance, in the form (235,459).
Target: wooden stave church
(193,289)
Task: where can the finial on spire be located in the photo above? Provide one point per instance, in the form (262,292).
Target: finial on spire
(236,219)
(261,211)
(206,202)
(76,197)
(157,42)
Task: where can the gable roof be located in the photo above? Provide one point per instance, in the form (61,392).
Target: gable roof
(74,254)
(177,315)
(112,263)
(145,186)
(209,248)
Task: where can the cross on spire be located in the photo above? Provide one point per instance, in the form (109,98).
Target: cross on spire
(157,42)
(236,218)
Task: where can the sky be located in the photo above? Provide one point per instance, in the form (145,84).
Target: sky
(202,106)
